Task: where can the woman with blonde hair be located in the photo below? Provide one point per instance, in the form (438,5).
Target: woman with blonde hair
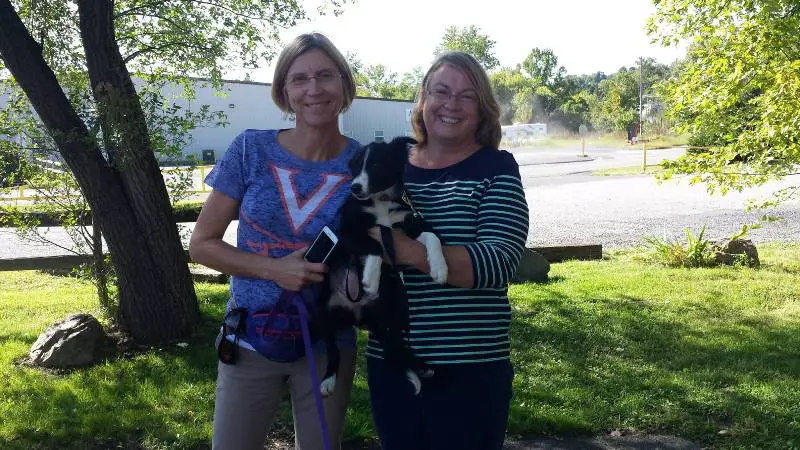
(285,185)
(471,194)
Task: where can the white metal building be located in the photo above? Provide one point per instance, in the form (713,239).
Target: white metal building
(249,105)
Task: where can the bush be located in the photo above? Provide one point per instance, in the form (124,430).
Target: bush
(13,167)
(697,252)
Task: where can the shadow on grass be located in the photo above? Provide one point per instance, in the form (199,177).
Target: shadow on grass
(146,396)
(162,398)
(127,400)
(22,338)
(782,268)
(599,364)
(582,367)
(550,280)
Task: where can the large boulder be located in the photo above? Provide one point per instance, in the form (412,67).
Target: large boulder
(737,251)
(73,342)
(532,267)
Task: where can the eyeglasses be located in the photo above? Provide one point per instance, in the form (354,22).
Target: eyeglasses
(302,80)
(443,95)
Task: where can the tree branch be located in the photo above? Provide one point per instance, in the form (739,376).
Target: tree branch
(138,8)
(35,236)
(84,233)
(217,5)
(178,26)
(151,48)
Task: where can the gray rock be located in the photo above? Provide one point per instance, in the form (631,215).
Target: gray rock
(532,267)
(736,251)
(72,342)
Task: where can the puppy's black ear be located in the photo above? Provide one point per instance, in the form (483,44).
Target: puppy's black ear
(357,161)
(405,140)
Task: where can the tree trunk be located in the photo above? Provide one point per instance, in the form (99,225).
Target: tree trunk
(101,273)
(128,198)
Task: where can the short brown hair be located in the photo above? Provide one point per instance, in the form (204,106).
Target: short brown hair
(302,44)
(489,131)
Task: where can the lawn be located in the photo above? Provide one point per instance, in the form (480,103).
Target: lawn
(652,169)
(606,141)
(711,355)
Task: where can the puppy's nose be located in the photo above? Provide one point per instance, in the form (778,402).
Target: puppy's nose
(357,189)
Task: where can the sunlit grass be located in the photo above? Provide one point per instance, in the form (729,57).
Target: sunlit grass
(605,345)
(652,169)
(614,140)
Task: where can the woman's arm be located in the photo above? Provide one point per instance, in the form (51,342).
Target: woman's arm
(207,247)
(412,253)
(492,260)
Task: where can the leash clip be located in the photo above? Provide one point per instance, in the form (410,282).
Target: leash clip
(407,200)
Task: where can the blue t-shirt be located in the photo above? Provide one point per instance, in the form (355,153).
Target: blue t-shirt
(284,203)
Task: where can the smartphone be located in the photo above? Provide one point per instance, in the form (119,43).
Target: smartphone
(322,247)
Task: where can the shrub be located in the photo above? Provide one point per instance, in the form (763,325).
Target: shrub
(12,168)
(696,252)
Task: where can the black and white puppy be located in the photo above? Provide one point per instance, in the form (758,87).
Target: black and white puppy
(378,188)
(366,290)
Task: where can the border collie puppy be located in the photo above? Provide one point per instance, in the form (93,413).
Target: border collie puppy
(366,290)
(377,185)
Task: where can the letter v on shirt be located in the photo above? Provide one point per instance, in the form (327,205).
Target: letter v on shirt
(300,211)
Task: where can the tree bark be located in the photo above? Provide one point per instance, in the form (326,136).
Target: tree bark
(101,273)
(128,197)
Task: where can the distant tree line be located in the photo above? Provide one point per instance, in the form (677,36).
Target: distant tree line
(537,89)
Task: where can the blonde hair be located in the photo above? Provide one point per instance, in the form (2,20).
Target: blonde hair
(302,44)
(488,132)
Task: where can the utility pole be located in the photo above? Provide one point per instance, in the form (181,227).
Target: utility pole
(641,113)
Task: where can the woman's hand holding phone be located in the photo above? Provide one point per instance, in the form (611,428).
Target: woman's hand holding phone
(304,266)
(292,272)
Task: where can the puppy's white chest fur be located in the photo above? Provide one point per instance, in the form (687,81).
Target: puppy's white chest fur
(386,213)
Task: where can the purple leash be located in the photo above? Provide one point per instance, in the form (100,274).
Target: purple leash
(312,368)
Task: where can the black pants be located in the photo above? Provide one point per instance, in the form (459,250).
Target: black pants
(462,407)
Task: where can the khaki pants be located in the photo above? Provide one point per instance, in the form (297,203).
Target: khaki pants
(250,392)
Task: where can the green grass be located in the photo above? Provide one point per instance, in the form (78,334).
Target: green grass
(652,169)
(691,352)
(665,141)
(605,345)
(160,399)
(608,140)
(185,210)
(182,205)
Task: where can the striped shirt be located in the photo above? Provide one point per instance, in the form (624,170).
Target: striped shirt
(477,203)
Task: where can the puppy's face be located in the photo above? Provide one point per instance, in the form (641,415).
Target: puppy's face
(378,167)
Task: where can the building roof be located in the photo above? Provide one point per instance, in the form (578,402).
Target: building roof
(261,83)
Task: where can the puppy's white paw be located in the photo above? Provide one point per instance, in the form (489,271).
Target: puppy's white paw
(328,385)
(372,274)
(371,285)
(414,379)
(438,268)
(436,261)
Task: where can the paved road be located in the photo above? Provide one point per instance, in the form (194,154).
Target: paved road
(570,206)
(619,211)
(566,165)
